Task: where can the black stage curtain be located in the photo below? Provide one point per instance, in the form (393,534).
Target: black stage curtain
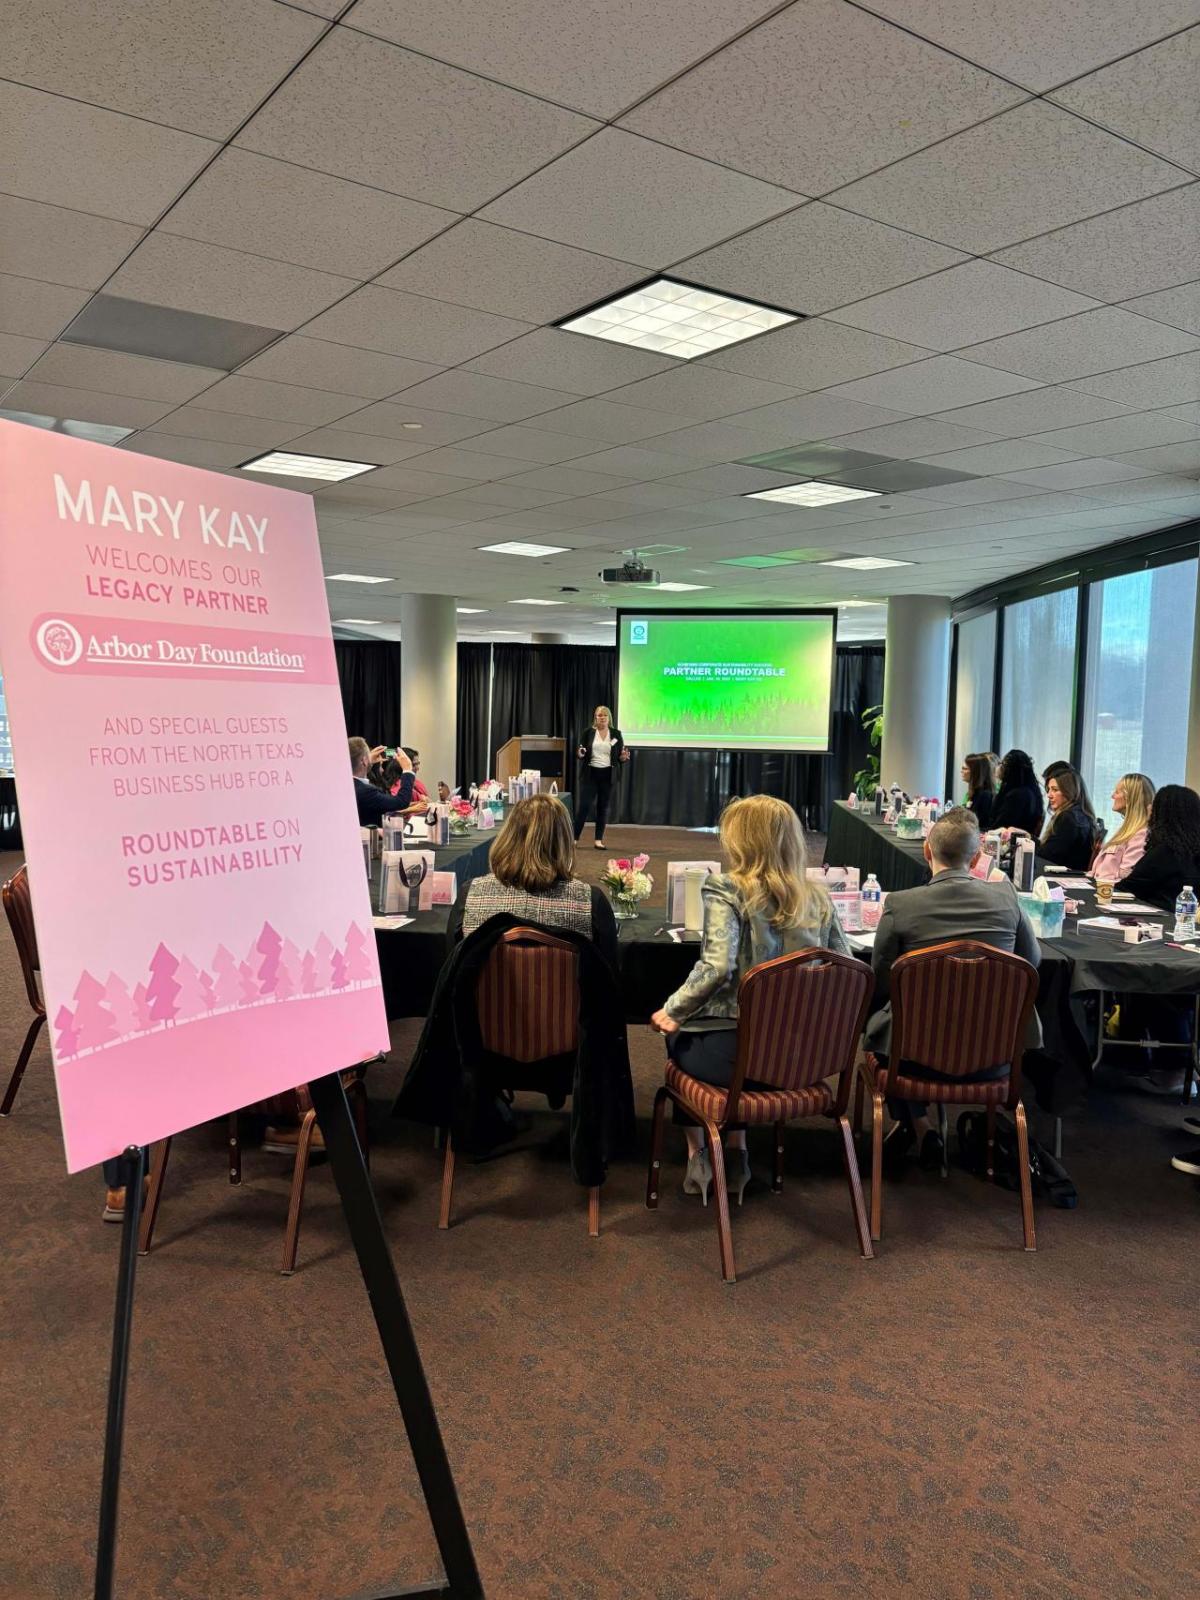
(473,760)
(369,673)
(553,689)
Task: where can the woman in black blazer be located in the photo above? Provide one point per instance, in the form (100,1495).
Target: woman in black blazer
(1172,854)
(601,750)
(1071,833)
(1018,801)
(981,798)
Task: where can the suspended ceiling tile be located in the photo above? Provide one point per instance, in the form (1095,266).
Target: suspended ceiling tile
(1094,341)
(255,397)
(932,385)
(531,444)
(1033,168)
(811,416)
(1182,457)
(819,94)
(1146,98)
(1147,484)
(816,258)
(636,200)
(37,310)
(1036,44)
(514,274)
(1088,474)
(293,214)
(612,424)
(162,333)
(411,325)
(700,392)
(1174,380)
(202,67)
(190,276)
(363,109)
(919,436)
(1180,307)
(635,464)
(572,362)
(475,464)
(998,459)
(1120,435)
(113,372)
(198,422)
(814,354)
(17,354)
(957,307)
(320,364)
(474,394)
(345,444)
(597,59)
(1034,412)
(425,429)
(192,452)
(1131,251)
(82,405)
(60,246)
(64,153)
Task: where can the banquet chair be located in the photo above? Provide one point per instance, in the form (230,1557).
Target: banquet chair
(19,911)
(800,1018)
(293,1102)
(527,999)
(957,1009)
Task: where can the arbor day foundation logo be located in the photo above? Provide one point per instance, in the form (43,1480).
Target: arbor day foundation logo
(59,642)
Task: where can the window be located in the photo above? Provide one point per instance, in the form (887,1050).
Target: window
(1037,678)
(974,691)
(1139,663)
(6,759)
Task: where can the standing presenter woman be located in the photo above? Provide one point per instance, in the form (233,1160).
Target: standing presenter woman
(600,749)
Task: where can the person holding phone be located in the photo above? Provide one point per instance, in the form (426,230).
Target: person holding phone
(601,750)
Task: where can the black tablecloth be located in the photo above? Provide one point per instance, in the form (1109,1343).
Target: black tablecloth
(10,822)
(856,839)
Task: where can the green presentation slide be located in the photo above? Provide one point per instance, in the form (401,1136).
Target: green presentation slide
(756,681)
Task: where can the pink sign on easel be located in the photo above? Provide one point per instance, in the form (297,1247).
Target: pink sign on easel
(195,860)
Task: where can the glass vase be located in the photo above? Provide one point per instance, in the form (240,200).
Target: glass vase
(625,906)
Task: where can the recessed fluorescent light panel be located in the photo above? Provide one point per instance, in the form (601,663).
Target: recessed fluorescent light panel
(680,588)
(357,622)
(677,319)
(98,432)
(813,493)
(287,465)
(528,602)
(471,611)
(353,577)
(867,563)
(516,548)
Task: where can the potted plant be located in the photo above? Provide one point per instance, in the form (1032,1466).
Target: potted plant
(866,780)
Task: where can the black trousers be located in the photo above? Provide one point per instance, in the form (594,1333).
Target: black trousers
(710,1056)
(596,789)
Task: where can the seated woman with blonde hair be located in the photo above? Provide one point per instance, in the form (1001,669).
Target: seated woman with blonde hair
(1132,799)
(532,876)
(763,906)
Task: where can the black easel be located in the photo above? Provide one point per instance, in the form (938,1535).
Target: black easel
(395,1333)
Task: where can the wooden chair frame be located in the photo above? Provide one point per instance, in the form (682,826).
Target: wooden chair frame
(750,1048)
(880,1081)
(354,1082)
(528,936)
(19,911)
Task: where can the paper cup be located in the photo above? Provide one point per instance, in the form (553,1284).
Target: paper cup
(1104,891)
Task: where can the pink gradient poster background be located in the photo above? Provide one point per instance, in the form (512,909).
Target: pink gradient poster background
(194,856)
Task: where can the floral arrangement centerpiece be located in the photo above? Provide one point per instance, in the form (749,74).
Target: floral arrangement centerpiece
(627,882)
(462,814)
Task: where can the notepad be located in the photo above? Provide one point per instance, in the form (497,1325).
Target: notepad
(390,924)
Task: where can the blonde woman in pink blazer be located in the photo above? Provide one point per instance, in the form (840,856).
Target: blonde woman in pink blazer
(1131,799)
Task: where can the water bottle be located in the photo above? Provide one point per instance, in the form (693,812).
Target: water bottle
(880,801)
(1185,914)
(871,902)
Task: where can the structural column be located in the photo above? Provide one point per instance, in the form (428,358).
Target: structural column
(916,693)
(1192,768)
(429,684)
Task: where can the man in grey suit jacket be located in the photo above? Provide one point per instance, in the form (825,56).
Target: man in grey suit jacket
(952,905)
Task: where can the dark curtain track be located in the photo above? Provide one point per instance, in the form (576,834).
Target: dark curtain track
(553,689)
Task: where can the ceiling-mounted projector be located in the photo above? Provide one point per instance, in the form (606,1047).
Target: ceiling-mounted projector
(633,571)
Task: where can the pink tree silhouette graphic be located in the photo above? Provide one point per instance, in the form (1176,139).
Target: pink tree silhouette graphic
(247,986)
(269,945)
(141,1009)
(308,973)
(67,1042)
(95,1025)
(162,989)
(122,1005)
(338,978)
(226,986)
(323,953)
(191,1000)
(358,964)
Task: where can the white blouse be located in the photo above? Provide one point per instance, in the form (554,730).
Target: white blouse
(601,750)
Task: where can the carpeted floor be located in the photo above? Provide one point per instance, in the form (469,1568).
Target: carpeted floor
(956,1419)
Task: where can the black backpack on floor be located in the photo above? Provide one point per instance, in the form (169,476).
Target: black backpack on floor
(1049,1179)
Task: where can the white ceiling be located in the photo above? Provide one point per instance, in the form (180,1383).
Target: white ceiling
(989,214)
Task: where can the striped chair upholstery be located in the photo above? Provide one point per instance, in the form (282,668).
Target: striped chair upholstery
(958,1008)
(528,999)
(708,1103)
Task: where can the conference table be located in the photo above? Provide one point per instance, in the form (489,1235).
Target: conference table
(10,822)
(857,839)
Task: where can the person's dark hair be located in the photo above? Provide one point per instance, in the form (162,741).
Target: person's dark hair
(979,775)
(1175,822)
(1072,785)
(392,773)
(375,777)
(411,754)
(1016,771)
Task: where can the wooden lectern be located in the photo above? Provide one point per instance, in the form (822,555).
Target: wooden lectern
(536,752)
